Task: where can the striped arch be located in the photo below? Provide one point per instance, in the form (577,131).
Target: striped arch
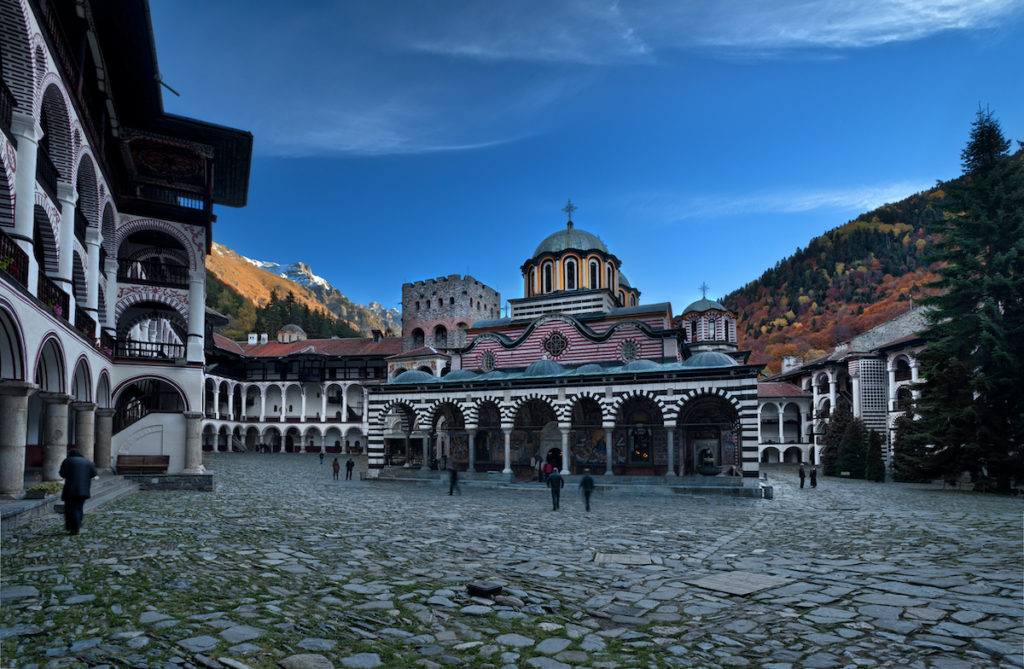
(607,414)
(401,406)
(701,393)
(9,160)
(88,189)
(12,343)
(472,411)
(139,224)
(645,394)
(47,219)
(518,403)
(17,52)
(55,101)
(107,224)
(153,294)
(435,408)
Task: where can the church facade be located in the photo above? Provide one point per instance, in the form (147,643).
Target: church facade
(580,374)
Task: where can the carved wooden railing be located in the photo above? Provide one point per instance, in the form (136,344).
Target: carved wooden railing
(150,272)
(13,260)
(52,296)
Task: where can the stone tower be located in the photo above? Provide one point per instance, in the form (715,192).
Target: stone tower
(436,312)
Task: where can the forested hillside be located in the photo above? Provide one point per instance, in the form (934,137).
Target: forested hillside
(846,281)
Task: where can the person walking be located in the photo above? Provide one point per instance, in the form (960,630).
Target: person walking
(453,478)
(548,468)
(556,483)
(321,457)
(587,486)
(349,466)
(802,474)
(336,466)
(814,477)
(77,472)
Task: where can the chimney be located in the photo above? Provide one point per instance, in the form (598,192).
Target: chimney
(263,339)
(377,335)
(253,337)
(791,362)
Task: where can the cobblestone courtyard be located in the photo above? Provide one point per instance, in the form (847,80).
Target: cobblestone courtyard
(282,565)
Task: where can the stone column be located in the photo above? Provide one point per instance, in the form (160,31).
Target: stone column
(110,267)
(302,413)
(85,428)
(323,404)
(565,449)
(508,450)
(915,370)
(670,433)
(216,400)
(93,240)
(196,314)
(13,433)
(471,435)
(104,434)
(55,434)
(832,391)
(366,404)
(425,465)
(194,443)
(890,369)
(782,411)
(263,404)
(28,133)
(608,427)
(67,196)
(856,394)
(344,406)
(231,404)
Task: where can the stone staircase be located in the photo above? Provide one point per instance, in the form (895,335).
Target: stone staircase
(107,488)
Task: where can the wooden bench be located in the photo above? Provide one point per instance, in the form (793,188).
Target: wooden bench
(142,464)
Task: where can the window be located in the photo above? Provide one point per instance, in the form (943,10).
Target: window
(632,300)
(546,273)
(594,270)
(622,299)
(451,301)
(570,275)
(417,305)
(903,370)
(417,338)
(693,331)
(531,288)
(609,277)
(440,336)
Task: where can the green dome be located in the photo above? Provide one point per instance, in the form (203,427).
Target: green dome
(544,368)
(704,304)
(709,359)
(414,376)
(570,238)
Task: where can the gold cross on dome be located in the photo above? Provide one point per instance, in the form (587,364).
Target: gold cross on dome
(569,208)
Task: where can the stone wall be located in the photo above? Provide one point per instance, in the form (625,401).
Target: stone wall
(455,302)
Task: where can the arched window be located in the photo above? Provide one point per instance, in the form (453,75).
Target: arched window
(622,299)
(417,338)
(693,330)
(903,399)
(594,270)
(903,370)
(531,288)
(571,275)
(440,337)
(609,282)
(546,273)
(451,301)
(417,305)
(632,300)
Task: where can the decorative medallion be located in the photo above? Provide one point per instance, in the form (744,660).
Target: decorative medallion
(556,343)
(487,361)
(629,351)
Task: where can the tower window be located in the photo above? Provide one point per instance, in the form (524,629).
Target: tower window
(546,271)
(595,273)
(570,275)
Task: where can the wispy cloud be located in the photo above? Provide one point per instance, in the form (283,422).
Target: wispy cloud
(669,209)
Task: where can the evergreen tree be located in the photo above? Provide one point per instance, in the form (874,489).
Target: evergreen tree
(853,449)
(970,404)
(834,430)
(875,468)
(911,454)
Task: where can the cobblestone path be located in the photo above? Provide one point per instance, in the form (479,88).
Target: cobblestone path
(282,566)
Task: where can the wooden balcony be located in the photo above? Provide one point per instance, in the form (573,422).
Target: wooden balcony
(152,273)
(85,323)
(13,260)
(52,296)
(7,105)
(132,349)
(81,225)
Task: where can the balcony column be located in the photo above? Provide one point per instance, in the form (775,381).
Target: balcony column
(55,433)
(425,465)
(323,402)
(28,132)
(231,403)
(670,434)
(608,427)
(110,269)
(263,404)
(284,406)
(85,428)
(856,393)
(302,415)
(890,369)
(14,431)
(565,449)
(216,400)
(104,433)
(67,196)
(508,450)
(344,404)
(93,239)
(366,405)
(471,436)
(915,369)
(832,383)
(194,443)
(782,414)
(196,314)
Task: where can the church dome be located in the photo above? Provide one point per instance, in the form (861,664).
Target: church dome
(704,304)
(623,281)
(641,366)
(570,238)
(544,368)
(414,376)
(708,359)
(460,375)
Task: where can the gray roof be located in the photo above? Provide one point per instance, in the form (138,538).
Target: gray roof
(704,304)
(623,281)
(709,359)
(544,368)
(414,376)
(570,238)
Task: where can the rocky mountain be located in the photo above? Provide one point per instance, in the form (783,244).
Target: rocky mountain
(255,279)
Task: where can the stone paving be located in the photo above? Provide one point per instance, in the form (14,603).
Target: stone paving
(282,566)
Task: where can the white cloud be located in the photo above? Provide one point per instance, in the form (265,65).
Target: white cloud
(670,208)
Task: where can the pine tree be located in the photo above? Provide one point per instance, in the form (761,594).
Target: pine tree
(911,453)
(853,449)
(970,404)
(875,468)
(834,430)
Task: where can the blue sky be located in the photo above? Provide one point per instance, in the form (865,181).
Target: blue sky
(702,142)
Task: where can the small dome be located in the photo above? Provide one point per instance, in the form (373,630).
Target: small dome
(641,366)
(570,238)
(493,375)
(460,375)
(292,327)
(704,304)
(623,281)
(709,359)
(590,368)
(414,376)
(544,368)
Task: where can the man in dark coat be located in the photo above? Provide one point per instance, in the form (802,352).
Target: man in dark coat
(814,477)
(349,466)
(587,486)
(556,483)
(77,473)
(802,474)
